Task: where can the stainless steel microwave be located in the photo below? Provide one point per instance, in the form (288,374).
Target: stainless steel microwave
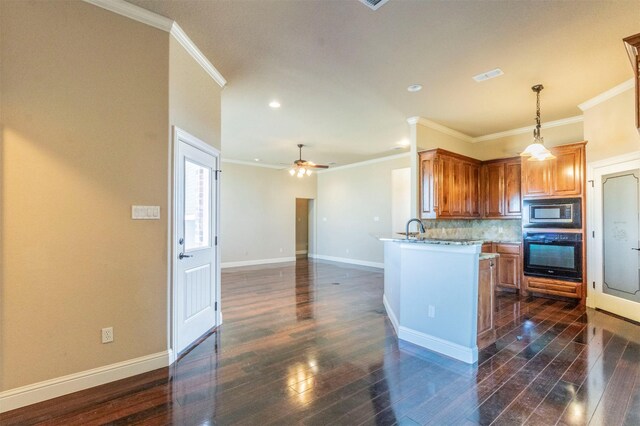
(552,213)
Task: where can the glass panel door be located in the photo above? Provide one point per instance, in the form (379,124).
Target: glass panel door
(621,276)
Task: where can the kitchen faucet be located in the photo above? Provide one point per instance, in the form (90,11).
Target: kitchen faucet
(422,230)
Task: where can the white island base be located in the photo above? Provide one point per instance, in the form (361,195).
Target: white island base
(431,294)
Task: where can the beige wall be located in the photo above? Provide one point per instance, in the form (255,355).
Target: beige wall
(194,97)
(349,199)
(302,224)
(428,138)
(259,212)
(512,146)
(508,146)
(610,128)
(84,124)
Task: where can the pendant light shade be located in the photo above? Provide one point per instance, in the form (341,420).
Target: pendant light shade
(536,151)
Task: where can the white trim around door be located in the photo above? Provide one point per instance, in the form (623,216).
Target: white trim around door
(596,298)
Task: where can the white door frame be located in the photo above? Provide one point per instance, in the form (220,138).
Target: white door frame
(180,135)
(594,222)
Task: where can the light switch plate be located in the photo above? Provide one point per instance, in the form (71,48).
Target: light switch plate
(145,212)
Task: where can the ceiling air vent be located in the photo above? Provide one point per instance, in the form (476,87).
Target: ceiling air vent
(374,4)
(488,75)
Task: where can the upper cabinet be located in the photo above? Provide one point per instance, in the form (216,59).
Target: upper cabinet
(449,185)
(453,186)
(563,176)
(501,184)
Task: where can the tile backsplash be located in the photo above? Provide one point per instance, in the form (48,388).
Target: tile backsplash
(490,230)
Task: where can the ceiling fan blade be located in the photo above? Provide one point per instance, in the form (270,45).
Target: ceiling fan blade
(307,164)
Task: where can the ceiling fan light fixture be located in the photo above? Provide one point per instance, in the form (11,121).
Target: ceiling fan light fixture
(536,150)
(302,167)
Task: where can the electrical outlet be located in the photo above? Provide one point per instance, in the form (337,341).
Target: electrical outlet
(432,311)
(281,249)
(347,251)
(107,335)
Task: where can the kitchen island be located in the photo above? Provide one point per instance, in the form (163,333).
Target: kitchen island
(432,297)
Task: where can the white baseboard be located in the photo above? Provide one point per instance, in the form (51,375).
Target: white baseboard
(348,260)
(301,252)
(436,344)
(41,391)
(390,313)
(257,262)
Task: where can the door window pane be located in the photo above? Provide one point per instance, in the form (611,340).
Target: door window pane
(197,206)
(620,217)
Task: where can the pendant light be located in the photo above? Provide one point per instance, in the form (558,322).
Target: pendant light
(537,151)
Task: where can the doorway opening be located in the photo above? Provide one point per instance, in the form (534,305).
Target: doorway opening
(305,238)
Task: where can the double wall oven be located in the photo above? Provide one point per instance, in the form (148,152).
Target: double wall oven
(548,252)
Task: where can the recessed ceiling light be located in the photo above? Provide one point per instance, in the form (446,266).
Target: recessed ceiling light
(274,104)
(404,142)
(488,75)
(256,159)
(415,88)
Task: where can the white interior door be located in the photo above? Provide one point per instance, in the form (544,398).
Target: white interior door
(196,274)
(617,245)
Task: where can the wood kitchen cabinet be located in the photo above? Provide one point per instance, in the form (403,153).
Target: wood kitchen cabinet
(486,297)
(449,185)
(509,264)
(501,183)
(560,177)
(555,287)
(453,186)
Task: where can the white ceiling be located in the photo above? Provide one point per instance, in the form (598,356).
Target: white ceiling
(341,70)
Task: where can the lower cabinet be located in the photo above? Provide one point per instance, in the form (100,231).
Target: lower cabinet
(554,287)
(509,265)
(486,296)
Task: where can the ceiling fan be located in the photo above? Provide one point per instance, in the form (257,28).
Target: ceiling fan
(302,167)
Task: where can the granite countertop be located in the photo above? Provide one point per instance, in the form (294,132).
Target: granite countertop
(484,256)
(425,240)
(505,241)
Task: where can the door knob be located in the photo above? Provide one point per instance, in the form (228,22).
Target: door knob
(182,256)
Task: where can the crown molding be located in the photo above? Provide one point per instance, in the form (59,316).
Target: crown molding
(253,164)
(528,129)
(443,129)
(134,12)
(365,163)
(184,40)
(604,96)
(163,23)
(440,128)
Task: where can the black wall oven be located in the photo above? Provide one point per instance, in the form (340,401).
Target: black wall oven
(553,255)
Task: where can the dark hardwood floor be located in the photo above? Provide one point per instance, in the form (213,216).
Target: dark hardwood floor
(309,343)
